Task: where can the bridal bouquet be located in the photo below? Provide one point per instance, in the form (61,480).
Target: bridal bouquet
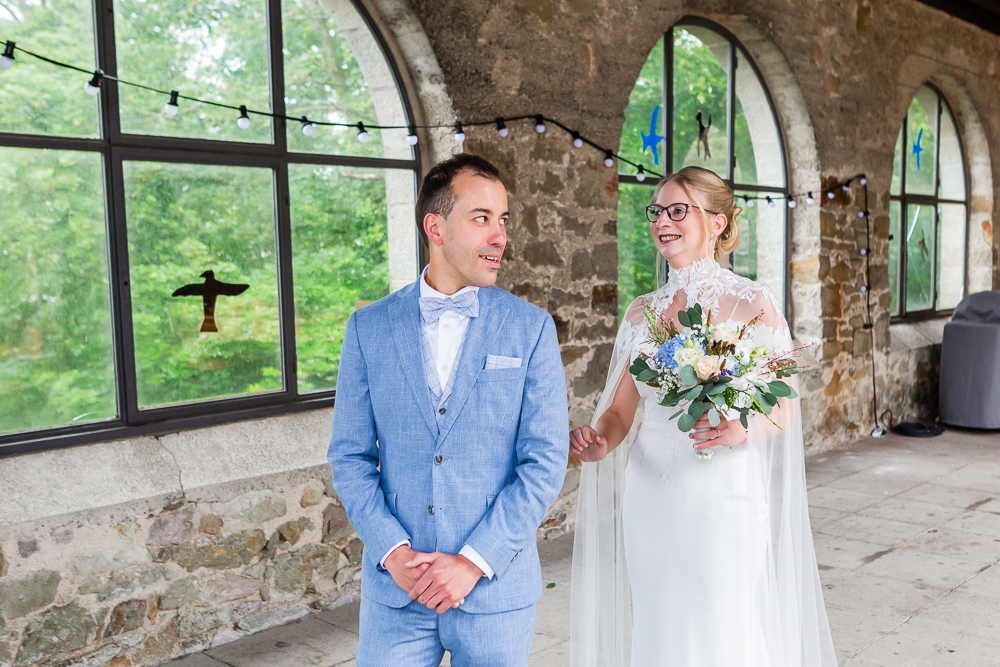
(704,367)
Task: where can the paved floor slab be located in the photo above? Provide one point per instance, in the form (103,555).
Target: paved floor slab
(907,535)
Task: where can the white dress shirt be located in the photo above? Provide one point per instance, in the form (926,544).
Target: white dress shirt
(445,338)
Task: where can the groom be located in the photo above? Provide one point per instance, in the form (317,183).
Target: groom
(450,441)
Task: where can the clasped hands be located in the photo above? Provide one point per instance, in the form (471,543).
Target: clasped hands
(438,581)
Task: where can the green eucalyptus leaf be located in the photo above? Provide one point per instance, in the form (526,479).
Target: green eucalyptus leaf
(694,314)
(683,318)
(693,394)
(779,388)
(743,419)
(687,374)
(646,375)
(794,393)
(713,417)
(677,414)
(686,422)
(697,409)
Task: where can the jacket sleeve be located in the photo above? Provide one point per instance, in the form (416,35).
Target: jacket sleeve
(541,450)
(354,454)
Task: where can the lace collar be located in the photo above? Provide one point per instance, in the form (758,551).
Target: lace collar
(692,279)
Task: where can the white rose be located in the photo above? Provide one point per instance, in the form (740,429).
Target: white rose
(724,334)
(688,356)
(708,366)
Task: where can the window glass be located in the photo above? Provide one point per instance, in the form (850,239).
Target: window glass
(701,92)
(951,255)
(894,257)
(642,136)
(335,72)
(760,254)
(756,144)
(921,128)
(215,50)
(341,219)
(637,254)
(184,221)
(56,358)
(952,169)
(39,98)
(919,256)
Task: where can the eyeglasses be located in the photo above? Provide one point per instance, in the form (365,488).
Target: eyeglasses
(675,212)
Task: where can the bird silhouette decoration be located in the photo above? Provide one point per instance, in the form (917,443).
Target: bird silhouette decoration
(209,291)
(652,140)
(703,135)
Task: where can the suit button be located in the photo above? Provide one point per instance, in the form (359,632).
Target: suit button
(438,459)
(430,509)
(442,411)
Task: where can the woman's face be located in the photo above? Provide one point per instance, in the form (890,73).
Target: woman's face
(684,241)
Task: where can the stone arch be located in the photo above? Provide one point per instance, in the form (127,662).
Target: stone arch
(915,72)
(422,84)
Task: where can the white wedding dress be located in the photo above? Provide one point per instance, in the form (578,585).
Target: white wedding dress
(685,562)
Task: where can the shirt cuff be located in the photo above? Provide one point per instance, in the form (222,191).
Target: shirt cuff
(477,560)
(381,563)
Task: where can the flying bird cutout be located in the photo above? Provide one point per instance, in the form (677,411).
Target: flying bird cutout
(652,140)
(209,291)
(703,135)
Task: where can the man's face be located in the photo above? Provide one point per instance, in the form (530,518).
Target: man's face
(473,237)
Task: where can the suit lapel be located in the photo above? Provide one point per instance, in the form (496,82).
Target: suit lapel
(406,334)
(483,330)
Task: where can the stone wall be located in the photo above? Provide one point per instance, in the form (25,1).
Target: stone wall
(841,74)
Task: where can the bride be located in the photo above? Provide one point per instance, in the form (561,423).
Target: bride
(683,560)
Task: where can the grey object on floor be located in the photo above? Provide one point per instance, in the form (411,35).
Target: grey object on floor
(970,363)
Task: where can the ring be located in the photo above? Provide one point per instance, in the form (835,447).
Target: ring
(718,434)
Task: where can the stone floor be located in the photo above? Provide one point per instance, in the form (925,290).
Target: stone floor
(907,536)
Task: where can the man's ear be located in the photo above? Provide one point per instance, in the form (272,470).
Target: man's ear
(432,227)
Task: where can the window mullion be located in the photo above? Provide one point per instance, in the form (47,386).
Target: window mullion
(668,100)
(731,115)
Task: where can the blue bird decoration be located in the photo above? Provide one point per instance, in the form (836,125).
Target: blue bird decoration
(917,149)
(652,140)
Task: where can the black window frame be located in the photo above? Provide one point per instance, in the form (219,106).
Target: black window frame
(904,200)
(115,149)
(667,130)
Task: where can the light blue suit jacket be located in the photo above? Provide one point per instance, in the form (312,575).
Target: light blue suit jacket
(503,444)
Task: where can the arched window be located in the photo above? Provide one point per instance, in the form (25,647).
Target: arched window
(928,211)
(702,102)
(113,202)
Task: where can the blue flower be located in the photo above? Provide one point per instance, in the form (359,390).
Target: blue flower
(665,355)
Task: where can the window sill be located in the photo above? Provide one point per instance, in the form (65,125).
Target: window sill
(907,336)
(55,438)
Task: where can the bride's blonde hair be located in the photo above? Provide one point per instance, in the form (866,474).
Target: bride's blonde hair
(707,190)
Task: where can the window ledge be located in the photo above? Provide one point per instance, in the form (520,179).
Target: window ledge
(908,336)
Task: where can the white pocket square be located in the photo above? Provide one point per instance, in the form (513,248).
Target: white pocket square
(495,361)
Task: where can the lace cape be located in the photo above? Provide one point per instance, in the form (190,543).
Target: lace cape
(789,595)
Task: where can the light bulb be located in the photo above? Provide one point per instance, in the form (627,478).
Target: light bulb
(750,203)
(609,159)
(861,214)
(577,141)
(792,203)
(308,127)
(244,120)
(7,59)
(770,202)
(809,199)
(170,108)
(830,195)
(641,175)
(539,124)
(863,181)
(411,137)
(459,133)
(863,251)
(363,135)
(93,86)
(846,186)
(502,128)
(864,288)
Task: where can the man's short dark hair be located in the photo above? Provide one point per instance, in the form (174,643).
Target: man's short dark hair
(436,194)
